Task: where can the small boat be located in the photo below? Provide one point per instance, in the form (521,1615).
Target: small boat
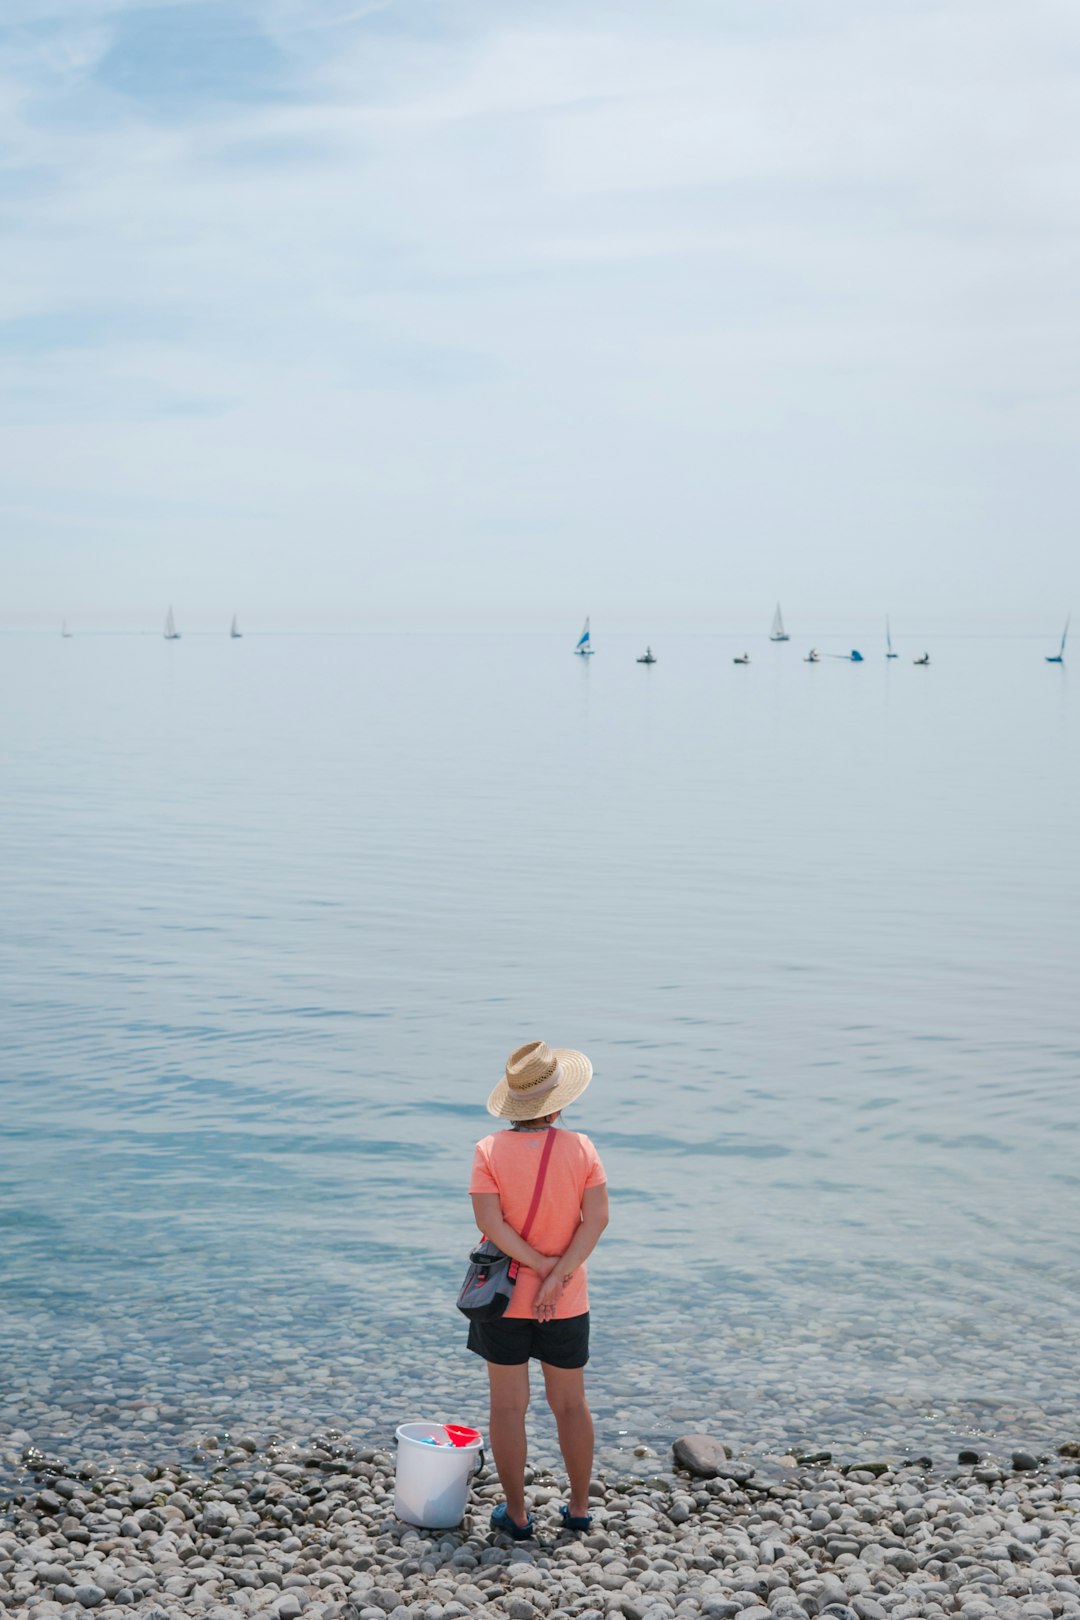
(647,657)
(584,648)
(812,657)
(925,659)
(888,642)
(1059,656)
(745,659)
(234,629)
(778,633)
(66,633)
(856,656)
(171,632)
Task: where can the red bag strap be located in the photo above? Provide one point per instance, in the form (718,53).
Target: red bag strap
(538,1189)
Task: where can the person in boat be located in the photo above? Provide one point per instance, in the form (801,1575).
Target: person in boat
(548,1316)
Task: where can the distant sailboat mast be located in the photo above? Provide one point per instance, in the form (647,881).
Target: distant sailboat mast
(171,632)
(778,633)
(584,648)
(888,640)
(64,631)
(234,629)
(1059,656)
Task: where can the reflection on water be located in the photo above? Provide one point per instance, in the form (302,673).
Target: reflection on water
(277,911)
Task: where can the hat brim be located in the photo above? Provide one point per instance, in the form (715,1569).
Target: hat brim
(575,1072)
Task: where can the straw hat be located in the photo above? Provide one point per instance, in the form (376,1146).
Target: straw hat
(539,1080)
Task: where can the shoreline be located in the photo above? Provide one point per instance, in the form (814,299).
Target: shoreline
(293,1530)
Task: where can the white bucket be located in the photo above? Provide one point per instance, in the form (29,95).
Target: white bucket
(431,1485)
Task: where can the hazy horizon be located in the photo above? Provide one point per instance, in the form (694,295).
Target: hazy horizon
(820,623)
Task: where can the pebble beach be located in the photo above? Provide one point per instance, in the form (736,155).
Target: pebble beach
(309,1529)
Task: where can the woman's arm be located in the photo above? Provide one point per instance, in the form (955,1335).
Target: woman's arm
(489,1218)
(594,1218)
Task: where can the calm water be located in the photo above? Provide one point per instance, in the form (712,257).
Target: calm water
(275,912)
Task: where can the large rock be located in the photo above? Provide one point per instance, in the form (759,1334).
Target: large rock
(701,1454)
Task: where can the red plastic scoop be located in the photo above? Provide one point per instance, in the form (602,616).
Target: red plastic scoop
(461,1437)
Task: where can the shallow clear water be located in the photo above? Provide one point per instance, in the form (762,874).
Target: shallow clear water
(275,912)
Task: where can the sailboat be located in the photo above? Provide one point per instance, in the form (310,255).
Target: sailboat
(64,631)
(171,632)
(234,629)
(583,649)
(1059,657)
(778,633)
(745,659)
(924,660)
(888,641)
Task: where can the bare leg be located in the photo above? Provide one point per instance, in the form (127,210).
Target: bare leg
(565,1388)
(509,1403)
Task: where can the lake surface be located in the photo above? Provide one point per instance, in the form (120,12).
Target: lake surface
(275,911)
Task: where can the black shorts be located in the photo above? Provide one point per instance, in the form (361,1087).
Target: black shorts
(509,1341)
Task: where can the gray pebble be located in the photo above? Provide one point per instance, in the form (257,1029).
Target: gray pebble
(54,1574)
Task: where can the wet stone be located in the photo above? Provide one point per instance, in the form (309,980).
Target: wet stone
(700,1454)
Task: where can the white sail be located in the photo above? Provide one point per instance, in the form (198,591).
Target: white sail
(888,640)
(778,633)
(584,648)
(171,632)
(64,631)
(234,629)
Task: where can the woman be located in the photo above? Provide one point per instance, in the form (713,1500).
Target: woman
(548,1316)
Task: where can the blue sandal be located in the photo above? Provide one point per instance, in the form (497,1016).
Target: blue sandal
(501,1521)
(572,1523)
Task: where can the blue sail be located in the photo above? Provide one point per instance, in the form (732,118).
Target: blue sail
(583,648)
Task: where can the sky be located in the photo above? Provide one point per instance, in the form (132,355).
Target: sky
(333,312)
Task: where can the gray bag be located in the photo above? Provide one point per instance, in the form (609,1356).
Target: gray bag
(489,1282)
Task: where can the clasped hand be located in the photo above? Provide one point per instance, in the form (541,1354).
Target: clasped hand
(551,1288)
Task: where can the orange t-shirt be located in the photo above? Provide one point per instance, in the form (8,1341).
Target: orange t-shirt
(507,1163)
